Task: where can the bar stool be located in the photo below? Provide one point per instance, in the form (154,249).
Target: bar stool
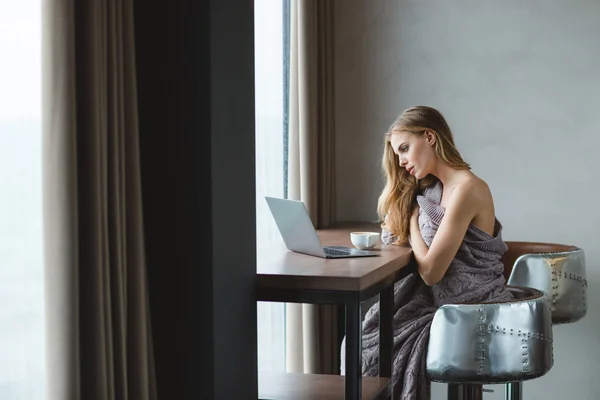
(490,343)
(558,270)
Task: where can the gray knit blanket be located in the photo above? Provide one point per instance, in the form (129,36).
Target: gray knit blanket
(475,275)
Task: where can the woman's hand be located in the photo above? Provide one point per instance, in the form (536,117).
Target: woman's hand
(434,260)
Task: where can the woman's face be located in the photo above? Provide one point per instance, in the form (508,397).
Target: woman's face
(415,152)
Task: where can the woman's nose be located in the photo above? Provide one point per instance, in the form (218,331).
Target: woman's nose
(402,162)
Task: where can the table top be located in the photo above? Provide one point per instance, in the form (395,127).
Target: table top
(290,386)
(279,268)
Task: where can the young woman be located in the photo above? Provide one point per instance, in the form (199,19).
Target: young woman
(433,202)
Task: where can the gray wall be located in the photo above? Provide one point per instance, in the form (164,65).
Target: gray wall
(519,82)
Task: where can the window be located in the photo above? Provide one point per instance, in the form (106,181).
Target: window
(22,346)
(270,26)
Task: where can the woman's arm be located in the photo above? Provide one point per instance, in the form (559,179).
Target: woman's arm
(433,262)
(417,243)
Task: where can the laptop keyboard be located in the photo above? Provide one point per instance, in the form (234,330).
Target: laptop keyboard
(333,252)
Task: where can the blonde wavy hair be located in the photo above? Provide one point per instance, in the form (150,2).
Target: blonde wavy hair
(399,195)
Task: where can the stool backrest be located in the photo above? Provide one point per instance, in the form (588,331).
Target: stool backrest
(517,249)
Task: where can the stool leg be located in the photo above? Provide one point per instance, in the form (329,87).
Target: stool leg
(514,391)
(465,392)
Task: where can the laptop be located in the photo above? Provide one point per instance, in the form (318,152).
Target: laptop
(298,232)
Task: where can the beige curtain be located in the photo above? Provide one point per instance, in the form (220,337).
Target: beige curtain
(98,327)
(311,331)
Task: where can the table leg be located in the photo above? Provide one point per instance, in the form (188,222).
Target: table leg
(353,351)
(386,331)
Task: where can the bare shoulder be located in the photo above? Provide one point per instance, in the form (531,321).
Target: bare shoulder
(478,188)
(475,192)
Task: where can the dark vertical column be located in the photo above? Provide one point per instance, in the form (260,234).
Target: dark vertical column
(386,331)
(195,64)
(234,197)
(353,389)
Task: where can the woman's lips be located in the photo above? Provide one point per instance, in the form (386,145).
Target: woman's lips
(411,170)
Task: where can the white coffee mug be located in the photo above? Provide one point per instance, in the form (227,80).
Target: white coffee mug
(364,240)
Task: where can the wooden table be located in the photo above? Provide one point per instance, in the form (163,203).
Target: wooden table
(285,276)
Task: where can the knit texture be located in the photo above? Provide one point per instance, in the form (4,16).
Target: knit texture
(475,275)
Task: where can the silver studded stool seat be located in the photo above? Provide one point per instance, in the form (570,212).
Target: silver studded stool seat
(490,343)
(556,269)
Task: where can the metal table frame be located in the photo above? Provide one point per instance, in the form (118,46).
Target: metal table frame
(352,301)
